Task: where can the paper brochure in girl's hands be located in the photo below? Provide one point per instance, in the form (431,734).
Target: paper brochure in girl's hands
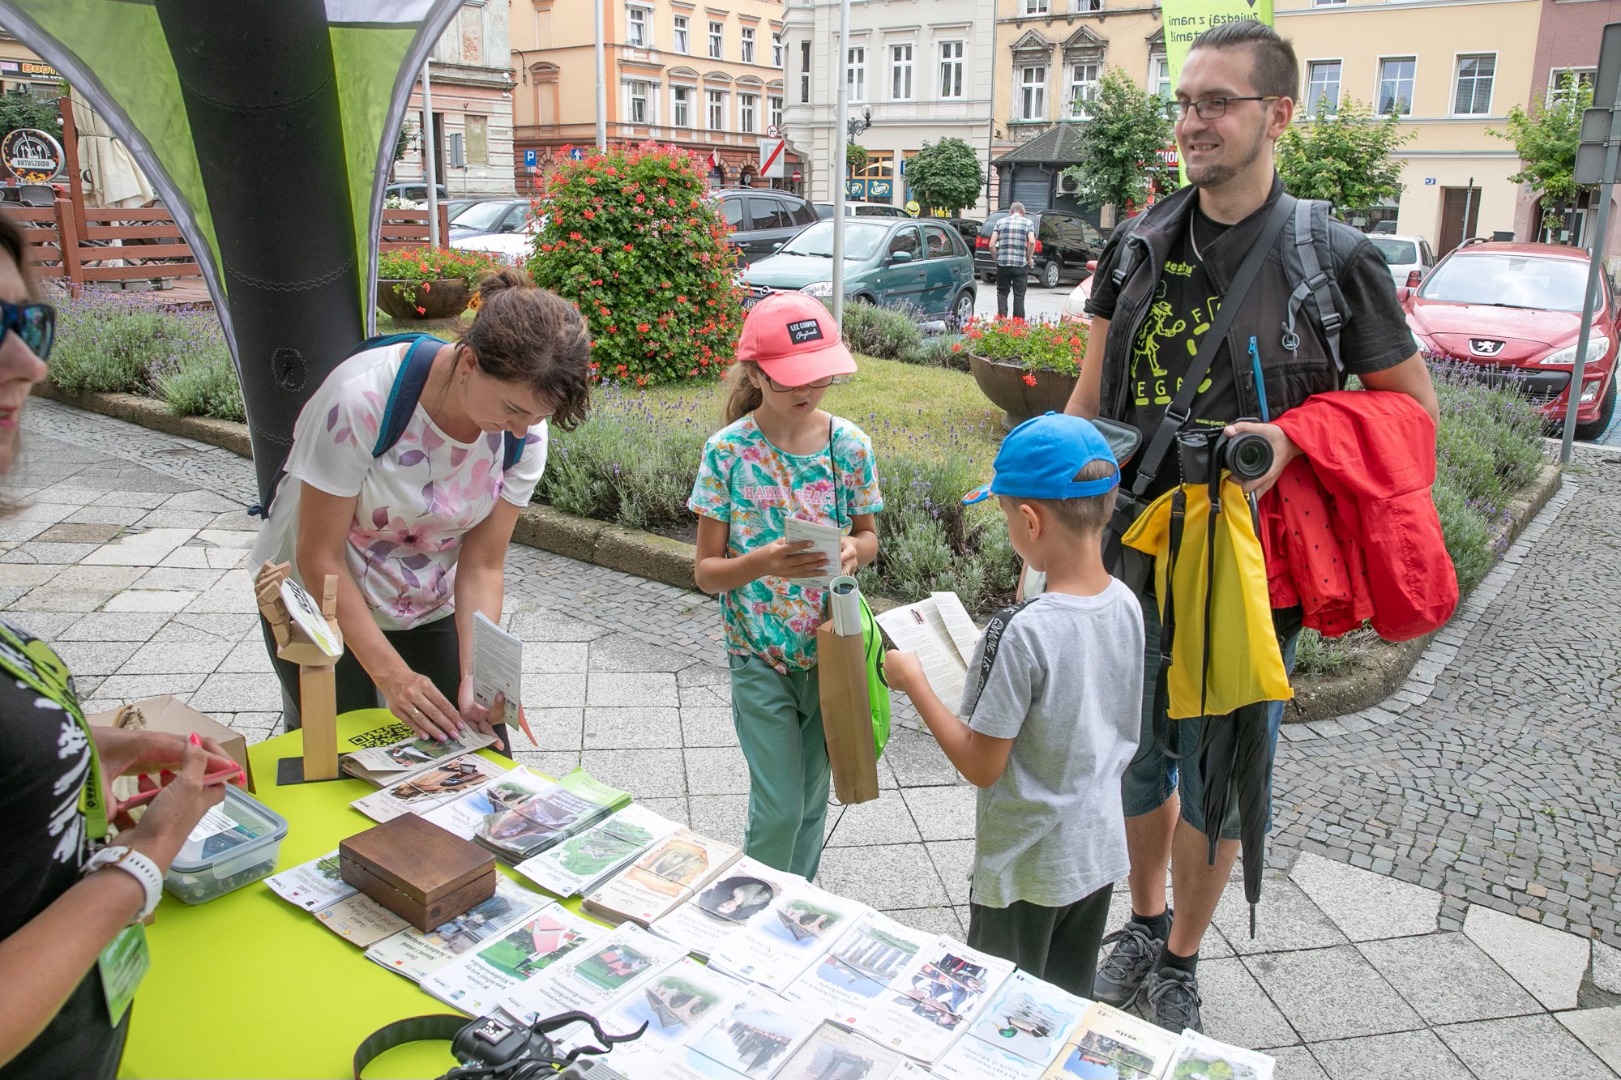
(824,540)
(942,634)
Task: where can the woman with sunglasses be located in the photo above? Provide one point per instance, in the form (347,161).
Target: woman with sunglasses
(69,898)
(780,456)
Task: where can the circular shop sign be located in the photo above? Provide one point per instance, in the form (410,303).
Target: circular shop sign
(32,155)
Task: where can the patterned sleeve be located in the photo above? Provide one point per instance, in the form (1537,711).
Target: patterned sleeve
(335,433)
(712,490)
(858,471)
(518,483)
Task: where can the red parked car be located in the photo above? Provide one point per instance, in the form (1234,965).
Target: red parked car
(1512,313)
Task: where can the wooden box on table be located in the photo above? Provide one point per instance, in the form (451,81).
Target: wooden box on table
(417,870)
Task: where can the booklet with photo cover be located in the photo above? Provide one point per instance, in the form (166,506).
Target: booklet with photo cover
(1018,1036)
(800,925)
(583,862)
(934,999)
(1201,1056)
(753,1037)
(549,816)
(589,978)
(425,790)
(662,878)
(939,629)
(675,1003)
(465,814)
(742,895)
(860,969)
(1113,1043)
(476,981)
(833,1051)
(313,885)
(417,955)
(381,766)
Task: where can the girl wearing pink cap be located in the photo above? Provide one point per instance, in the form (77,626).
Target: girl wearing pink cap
(781,456)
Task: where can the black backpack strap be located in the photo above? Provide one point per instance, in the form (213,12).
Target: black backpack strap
(1314,283)
(408,384)
(993,640)
(511,450)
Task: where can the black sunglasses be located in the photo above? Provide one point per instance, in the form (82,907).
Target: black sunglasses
(34,323)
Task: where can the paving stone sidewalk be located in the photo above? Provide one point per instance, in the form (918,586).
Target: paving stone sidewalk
(1488,803)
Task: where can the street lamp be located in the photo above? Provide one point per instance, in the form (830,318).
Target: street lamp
(858,124)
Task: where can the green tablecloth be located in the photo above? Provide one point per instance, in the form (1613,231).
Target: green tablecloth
(249,986)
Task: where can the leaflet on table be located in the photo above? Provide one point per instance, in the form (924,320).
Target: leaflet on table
(1019,1034)
(801,924)
(426,790)
(544,819)
(384,765)
(497,667)
(360,920)
(666,875)
(592,976)
(860,969)
(476,981)
(312,886)
(672,1005)
(1200,1056)
(752,1037)
(463,816)
(417,955)
(1108,1039)
(939,629)
(581,863)
(933,1000)
(740,897)
(831,1051)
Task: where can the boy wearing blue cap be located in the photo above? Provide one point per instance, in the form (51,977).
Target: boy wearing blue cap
(1053,705)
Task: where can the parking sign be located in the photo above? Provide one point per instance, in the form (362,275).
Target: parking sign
(531,159)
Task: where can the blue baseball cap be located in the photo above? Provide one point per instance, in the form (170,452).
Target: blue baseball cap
(1043,457)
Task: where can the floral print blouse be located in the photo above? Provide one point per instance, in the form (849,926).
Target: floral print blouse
(752,487)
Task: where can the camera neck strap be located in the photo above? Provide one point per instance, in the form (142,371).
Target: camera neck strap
(1181,406)
(438,1027)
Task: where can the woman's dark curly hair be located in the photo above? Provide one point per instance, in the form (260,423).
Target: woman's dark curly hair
(537,339)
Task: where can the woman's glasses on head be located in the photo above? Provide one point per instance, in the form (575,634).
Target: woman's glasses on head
(33,322)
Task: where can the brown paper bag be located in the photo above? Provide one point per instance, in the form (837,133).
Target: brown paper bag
(172,716)
(846,715)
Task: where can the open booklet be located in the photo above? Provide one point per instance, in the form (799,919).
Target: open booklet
(476,981)
(539,821)
(465,814)
(583,862)
(590,977)
(1018,1036)
(1113,1043)
(403,760)
(662,878)
(741,896)
(431,788)
(939,629)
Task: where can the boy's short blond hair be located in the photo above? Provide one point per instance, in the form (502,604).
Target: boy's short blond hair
(1088,514)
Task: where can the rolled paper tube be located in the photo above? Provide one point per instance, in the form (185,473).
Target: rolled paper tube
(846,606)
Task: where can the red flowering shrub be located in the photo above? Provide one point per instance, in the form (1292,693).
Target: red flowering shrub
(1035,347)
(634,239)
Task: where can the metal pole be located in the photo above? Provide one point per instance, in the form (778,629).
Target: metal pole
(1573,396)
(429,163)
(841,144)
(1468,204)
(602,78)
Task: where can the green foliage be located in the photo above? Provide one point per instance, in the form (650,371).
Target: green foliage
(1343,156)
(21,108)
(1039,346)
(631,463)
(1546,139)
(204,384)
(1120,145)
(415,268)
(634,239)
(855,157)
(946,176)
(886,333)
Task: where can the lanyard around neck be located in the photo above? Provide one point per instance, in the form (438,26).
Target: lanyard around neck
(24,664)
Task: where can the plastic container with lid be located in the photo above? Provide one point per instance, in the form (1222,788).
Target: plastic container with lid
(235,844)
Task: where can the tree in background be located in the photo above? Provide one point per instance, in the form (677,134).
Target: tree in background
(1120,145)
(21,108)
(1343,157)
(946,176)
(1546,140)
(855,157)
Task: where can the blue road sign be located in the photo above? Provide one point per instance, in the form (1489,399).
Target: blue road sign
(577,153)
(531,159)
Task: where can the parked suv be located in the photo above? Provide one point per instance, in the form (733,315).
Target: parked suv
(1065,243)
(762,219)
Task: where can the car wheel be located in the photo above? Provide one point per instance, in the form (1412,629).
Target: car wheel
(1606,413)
(862,298)
(989,279)
(1049,274)
(963,309)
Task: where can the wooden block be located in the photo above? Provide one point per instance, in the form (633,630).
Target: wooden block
(422,873)
(318,708)
(841,669)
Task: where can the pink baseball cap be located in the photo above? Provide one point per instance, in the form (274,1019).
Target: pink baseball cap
(794,340)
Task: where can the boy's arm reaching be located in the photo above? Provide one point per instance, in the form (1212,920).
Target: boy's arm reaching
(979,757)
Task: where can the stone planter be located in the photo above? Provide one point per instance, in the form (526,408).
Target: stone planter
(1005,385)
(445,299)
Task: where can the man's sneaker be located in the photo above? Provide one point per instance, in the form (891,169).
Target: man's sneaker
(1171,998)
(1122,972)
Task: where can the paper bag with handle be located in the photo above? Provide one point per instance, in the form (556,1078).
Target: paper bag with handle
(855,723)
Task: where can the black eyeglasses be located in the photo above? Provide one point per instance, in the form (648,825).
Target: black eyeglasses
(34,323)
(819,384)
(1210,108)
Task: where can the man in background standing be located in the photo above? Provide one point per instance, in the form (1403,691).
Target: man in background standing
(1014,241)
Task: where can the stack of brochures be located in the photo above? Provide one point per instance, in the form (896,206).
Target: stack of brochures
(543,819)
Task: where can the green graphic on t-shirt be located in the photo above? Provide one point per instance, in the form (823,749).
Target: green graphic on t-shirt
(1163,328)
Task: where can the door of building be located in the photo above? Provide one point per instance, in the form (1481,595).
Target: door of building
(1455,202)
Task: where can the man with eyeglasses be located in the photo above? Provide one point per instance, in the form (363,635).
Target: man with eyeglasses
(1158,290)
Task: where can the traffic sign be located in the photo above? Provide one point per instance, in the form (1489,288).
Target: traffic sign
(577,153)
(773,162)
(531,158)
(797,177)
(772,131)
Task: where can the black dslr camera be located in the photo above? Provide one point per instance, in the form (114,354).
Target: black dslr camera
(1204,454)
(492,1047)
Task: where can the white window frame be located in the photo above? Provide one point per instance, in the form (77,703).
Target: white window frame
(1082,90)
(1034,7)
(1457,79)
(748,113)
(902,71)
(1312,83)
(640,91)
(953,69)
(1085,7)
(715,109)
(1585,76)
(747,38)
(681,106)
(776,50)
(774,110)
(855,73)
(639,26)
(1379,82)
(1159,74)
(1032,92)
(683,35)
(717,40)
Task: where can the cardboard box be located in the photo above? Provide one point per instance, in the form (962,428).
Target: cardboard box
(841,667)
(422,873)
(170,715)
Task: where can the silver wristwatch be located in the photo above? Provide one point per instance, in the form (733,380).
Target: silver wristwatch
(136,865)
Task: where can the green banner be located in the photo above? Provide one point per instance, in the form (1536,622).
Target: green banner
(1187,19)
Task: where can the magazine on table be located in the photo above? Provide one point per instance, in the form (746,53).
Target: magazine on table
(665,876)
(476,981)
(673,1004)
(582,863)
(752,1037)
(934,999)
(549,816)
(833,1051)
(1107,1038)
(742,895)
(313,885)
(1018,1035)
(382,766)
(426,790)
(942,634)
(417,955)
(1199,1056)
(591,977)
(860,969)
(465,814)
(792,934)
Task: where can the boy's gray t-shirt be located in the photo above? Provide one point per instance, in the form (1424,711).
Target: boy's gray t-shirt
(1066,687)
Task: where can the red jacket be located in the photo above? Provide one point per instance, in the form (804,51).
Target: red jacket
(1350,529)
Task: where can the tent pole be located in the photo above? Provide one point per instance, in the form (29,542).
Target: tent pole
(429,167)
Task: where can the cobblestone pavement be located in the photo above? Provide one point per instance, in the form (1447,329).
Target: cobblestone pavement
(129,556)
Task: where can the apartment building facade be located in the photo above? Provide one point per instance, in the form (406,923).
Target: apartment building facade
(917,71)
(705,77)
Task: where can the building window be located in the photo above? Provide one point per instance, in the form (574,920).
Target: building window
(638,102)
(1473,96)
(1159,76)
(951,69)
(637,28)
(1322,87)
(748,44)
(855,73)
(717,40)
(804,73)
(1083,89)
(1567,84)
(900,72)
(776,50)
(477,129)
(683,43)
(1326,3)
(717,110)
(774,106)
(1083,7)
(681,98)
(1396,85)
(1035,7)
(748,108)
(1033,92)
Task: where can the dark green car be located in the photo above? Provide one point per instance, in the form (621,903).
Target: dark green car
(922,265)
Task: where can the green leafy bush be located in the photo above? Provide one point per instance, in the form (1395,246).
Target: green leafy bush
(634,239)
(1039,346)
(415,268)
(887,333)
(203,385)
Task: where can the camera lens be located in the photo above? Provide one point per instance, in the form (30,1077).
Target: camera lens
(1248,456)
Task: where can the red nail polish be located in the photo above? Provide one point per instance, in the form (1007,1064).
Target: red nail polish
(194,739)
